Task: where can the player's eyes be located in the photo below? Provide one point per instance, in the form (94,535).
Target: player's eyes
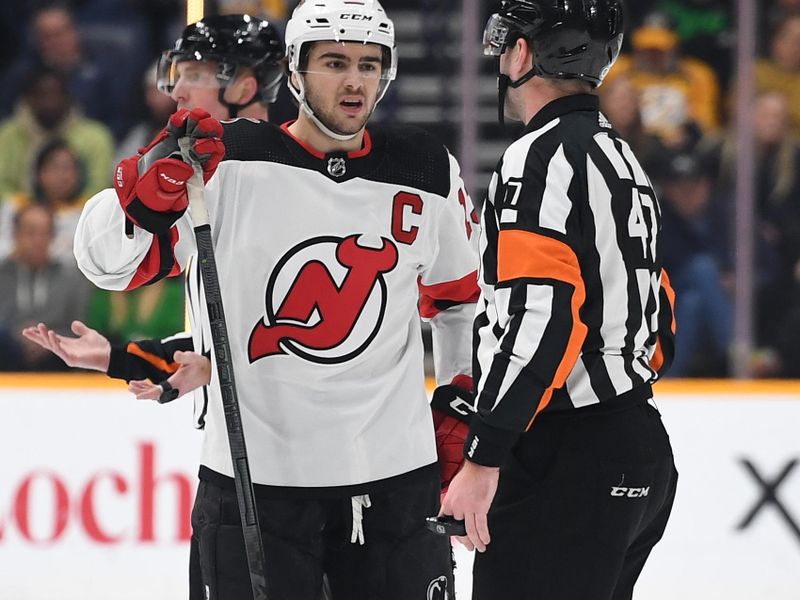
(368,67)
(336,65)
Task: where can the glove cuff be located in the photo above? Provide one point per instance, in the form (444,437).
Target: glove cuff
(153,221)
(455,399)
(117,364)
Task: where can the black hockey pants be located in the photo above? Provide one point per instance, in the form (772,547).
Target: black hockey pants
(399,559)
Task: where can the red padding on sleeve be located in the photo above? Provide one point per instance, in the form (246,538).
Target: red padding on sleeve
(461,291)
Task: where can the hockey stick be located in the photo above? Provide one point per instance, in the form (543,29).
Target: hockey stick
(253,544)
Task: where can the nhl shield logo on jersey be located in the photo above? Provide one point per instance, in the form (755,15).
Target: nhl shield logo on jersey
(325,299)
(337,166)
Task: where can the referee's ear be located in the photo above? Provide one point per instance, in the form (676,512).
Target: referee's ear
(520,59)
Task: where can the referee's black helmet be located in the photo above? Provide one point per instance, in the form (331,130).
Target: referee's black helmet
(570,39)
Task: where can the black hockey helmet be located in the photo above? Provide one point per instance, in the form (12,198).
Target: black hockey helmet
(232,41)
(570,39)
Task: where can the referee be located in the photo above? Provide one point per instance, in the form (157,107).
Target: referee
(569,471)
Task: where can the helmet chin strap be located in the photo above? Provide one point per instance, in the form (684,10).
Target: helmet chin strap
(300,96)
(233,108)
(503,83)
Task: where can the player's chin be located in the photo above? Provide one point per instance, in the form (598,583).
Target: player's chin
(351,124)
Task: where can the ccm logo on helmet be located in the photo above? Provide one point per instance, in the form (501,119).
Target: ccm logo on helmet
(355,17)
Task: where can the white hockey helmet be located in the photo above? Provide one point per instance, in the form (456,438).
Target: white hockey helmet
(362,21)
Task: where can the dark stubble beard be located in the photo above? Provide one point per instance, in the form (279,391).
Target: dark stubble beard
(341,126)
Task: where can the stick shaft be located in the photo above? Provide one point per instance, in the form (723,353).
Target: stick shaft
(254,546)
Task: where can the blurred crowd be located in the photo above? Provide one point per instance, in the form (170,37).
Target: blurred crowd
(78,92)
(672,95)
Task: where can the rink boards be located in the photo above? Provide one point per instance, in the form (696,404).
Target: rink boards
(96,490)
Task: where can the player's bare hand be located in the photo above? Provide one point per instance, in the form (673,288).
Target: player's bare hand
(468,498)
(89,350)
(194,371)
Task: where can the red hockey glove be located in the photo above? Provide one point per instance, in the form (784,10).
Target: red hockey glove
(452,411)
(151,186)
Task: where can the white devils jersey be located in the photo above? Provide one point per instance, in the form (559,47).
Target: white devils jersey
(325,263)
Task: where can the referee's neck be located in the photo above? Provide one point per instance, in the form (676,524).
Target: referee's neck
(540,92)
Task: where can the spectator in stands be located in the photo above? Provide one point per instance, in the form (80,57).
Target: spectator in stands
(695,256)
(619,101)
(45,113)
(36,289)
(780,72)
(705,30)
(58,182)
(679,95)
(97,81)
(778,174)
(159,107)
(777,187)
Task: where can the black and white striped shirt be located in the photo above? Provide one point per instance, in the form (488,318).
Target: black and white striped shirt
(575,308)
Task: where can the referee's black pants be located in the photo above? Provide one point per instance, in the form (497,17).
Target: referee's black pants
(580,504)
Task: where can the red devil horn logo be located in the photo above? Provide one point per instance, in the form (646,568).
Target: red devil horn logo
(338,307)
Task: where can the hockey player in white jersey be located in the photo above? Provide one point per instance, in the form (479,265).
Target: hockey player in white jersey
(331,238)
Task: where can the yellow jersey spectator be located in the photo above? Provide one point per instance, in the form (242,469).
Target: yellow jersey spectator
(675,91)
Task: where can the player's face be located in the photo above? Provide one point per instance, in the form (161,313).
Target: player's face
(197,86)
(341,83)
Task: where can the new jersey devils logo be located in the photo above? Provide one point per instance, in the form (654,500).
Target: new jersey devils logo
(325,299)
(437,589)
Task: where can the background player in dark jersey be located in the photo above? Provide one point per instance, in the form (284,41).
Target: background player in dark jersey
(331,240)
(567,455)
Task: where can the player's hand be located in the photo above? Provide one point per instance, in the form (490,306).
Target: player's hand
(194,371)
(90,350)
(151,186)
(468,498)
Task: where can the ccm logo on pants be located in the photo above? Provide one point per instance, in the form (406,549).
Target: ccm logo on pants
(626,492)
